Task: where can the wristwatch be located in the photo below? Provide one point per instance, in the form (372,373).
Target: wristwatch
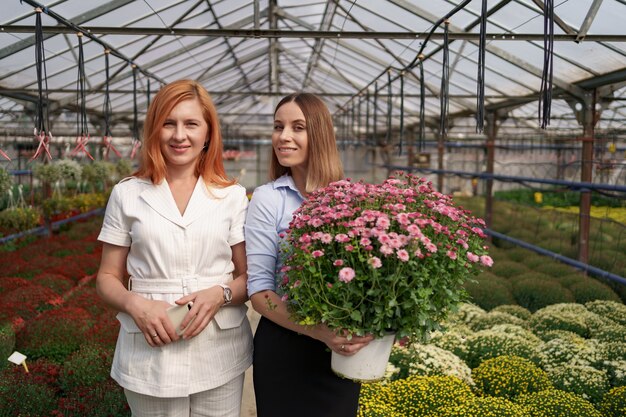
(228,294)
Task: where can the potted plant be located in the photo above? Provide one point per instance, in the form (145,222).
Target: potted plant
(381,259)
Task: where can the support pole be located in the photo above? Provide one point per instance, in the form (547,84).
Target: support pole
(586,174)
(490,148)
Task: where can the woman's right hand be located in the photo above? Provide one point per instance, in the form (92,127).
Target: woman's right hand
(343,344)
(151,318)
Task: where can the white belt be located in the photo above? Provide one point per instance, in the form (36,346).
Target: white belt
(187,285)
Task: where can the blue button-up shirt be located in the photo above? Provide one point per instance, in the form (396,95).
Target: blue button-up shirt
(270,211)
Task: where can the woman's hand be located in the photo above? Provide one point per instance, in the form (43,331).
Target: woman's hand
(341,342)
(151,318)
(206,303)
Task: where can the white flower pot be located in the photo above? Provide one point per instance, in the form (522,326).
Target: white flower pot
(368,364)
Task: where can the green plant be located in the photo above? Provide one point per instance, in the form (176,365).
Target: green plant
(47,173)
(453,339)
(88,366)
(489,292)
(105,399)
(569,317)
(509,376)
(19,219)
(6,182)
(488,320)
(508,269)
(554,269)
(488,344)
(582,380)
(534,294)
(559,352)
(610,309)
(591,289)
(483,407)
(375,401)
(371,258)
(28,394)
(614,403)
(428,360)
(54,334)
(514,310)
(7,343)
(419,396)
(557,403)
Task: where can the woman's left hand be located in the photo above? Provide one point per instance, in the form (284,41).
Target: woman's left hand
(206,303)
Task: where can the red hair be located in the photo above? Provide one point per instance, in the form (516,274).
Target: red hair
(210,165)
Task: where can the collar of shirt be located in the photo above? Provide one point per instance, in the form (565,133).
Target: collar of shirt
(286,181)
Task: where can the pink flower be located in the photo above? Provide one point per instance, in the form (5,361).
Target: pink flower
(486,260)
(338,262)
(472,257)
(403,255)
(451,254)
(374,262)
(349,248)
(317,253)
(346,275)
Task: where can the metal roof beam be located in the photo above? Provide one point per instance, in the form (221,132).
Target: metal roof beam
(591,15)
(82,18)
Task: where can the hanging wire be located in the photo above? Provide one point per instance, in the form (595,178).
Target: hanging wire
(41,117)
(545,103)
(375,112)
(107,110)
(389,108)
(422,132)
(480,78)
(445,79)
(401,112)
(136,140)
(148,94)
(82,136)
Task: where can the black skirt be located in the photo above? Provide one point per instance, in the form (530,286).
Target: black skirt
(292,376)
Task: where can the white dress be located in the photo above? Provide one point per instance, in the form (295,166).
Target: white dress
(172,255)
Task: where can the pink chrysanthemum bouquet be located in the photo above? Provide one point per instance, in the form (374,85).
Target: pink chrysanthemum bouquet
(380,258)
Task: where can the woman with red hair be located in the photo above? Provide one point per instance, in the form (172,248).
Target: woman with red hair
(176,227)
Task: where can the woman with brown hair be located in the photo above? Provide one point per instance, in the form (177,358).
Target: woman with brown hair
(292,374)
(176,227)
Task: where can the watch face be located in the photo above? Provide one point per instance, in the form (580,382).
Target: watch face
(228,295)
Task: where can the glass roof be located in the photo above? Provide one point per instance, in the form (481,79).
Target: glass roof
(248,54)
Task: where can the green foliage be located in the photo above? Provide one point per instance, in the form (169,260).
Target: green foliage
(514,310)
(123,168)
(427,360)
(483,407)
(7,343)
(509,377)
(582,380)
(569,317)
(614,403)
(591,289)
(54,334)
(488,344)
(418,396)
(508,269)
(19,219)
(534,294)
(6,182)
(610,309)
(453,339)
(554,269)
(493,318)
(489,291)
(553,198)
(105,399)
(371,258)
(27,394)
(87,367)
(47,173)
(557,403)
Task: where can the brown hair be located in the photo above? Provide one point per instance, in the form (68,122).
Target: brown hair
(324,164)
(210,165)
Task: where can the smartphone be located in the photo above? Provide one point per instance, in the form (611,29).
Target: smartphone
(177,314)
